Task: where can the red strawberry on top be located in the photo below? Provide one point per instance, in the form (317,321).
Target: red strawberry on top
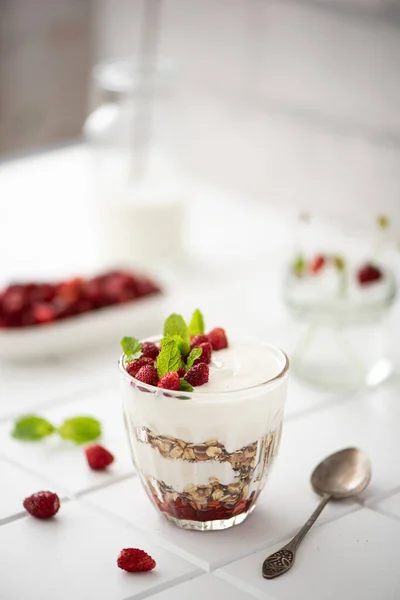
(217,338)
(134,366)
(147,374)
(135,560)
(368,274)
(150,350)
(170,381)
(317,263)
(98,457)
(196,340)
(198,374)
(205,355)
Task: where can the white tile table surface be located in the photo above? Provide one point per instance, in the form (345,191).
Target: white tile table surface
(352,547)
(352,557)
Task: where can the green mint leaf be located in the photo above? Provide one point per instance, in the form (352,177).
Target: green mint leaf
(185,386)
(383,221)
(31,428)
(175,325)
(194,355)
(183,346)
(299,266)
(131,347)
(169,358)
(196,325)
(339,262)
(80,429)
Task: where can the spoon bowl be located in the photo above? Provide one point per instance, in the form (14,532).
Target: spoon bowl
(343,474)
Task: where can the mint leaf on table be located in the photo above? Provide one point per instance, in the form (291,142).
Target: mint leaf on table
(31,428)
(169,358)
(175,325)
(196,325)
(132,347)
(185,386)
(194,355)
(80,429)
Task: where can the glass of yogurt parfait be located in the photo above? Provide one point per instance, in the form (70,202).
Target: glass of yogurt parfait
(203,436)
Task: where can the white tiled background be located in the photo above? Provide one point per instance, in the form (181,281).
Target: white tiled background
(291,101)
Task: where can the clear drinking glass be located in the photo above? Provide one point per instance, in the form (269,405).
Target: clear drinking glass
(203,458)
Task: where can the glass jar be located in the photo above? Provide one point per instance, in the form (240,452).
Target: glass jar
(340,304)
(134,138)
(204,457)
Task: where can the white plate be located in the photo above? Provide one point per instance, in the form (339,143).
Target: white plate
(139,318)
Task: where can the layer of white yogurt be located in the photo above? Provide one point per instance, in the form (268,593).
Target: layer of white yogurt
(179,473)
(240,366)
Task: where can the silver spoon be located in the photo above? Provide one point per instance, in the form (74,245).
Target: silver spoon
(341,475)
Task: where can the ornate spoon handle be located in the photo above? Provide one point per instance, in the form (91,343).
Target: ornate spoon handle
(280,561)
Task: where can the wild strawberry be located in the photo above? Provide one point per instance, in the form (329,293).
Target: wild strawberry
(145,287)
(42,292)
(198,374)
(42,505)
(135,560)
(14,299)
(368,274)
(70,290)
(98,457)
(150,350)
(170,381)
(147,375)
(205,355)
(196,340)
(217,338)
(91,290)
(43,313)
(317,263)
(135,365)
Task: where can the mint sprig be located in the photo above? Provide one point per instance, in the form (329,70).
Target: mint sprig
(80,429)
(185,386)
(169,358)
(32,428)
(184,347)
(132,347)
(299,266)
(194,355)
(196,325)
(175,325)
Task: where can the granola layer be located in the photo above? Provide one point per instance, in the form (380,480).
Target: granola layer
(215,499)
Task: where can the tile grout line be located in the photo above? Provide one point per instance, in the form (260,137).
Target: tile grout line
(55,402)
(332,402)
(164,586)
(381,511)
(121,478)
(380,497)
(243,586)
